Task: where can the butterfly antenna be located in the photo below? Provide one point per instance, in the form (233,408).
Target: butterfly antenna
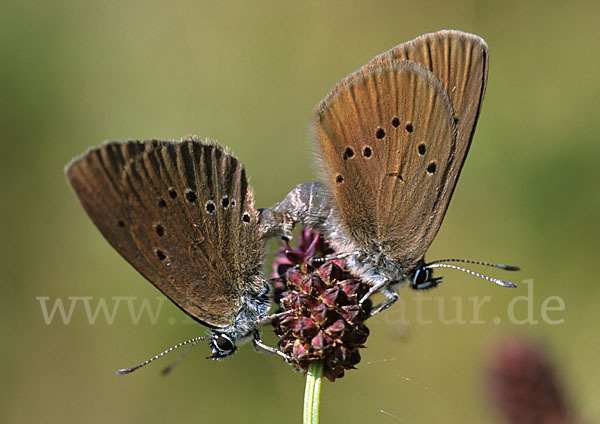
(166,370)
(195,341)
(502,283)
(469,261)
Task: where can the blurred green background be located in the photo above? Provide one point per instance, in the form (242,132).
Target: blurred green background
(76,73)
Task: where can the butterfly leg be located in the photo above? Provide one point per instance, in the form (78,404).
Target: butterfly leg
(374,288)
(385,287)
(392,297)
(260,346)
(277,315)
(331,258)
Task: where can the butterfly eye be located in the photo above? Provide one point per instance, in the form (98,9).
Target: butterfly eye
(418,279)
(395,122)
(221,346)
(224,343)
(422,149)
(409,127)
(380,133)
(423,279)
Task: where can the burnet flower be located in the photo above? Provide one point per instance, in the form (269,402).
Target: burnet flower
(324,320)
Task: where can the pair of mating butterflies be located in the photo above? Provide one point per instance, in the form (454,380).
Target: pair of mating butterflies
(392,138)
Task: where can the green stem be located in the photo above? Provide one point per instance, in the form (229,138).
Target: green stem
(312,393)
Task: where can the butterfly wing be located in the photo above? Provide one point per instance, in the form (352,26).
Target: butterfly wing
(432,119)
(460,61)
(388,140)
(182,214)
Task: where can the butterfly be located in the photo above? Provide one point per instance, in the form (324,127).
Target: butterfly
(183,215)
(391,140)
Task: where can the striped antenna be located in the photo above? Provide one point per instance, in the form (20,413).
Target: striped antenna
(469,261)
(195,341)
(502,283)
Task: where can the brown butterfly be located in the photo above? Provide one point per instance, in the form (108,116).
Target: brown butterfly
(392,138)
(183,215)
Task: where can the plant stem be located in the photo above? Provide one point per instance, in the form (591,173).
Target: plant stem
(312,393)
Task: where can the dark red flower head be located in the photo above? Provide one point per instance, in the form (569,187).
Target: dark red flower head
(525,387)
(324,321)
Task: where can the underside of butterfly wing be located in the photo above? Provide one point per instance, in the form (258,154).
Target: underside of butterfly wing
(387,135)
(183,215)
(371,213)
(460,61)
